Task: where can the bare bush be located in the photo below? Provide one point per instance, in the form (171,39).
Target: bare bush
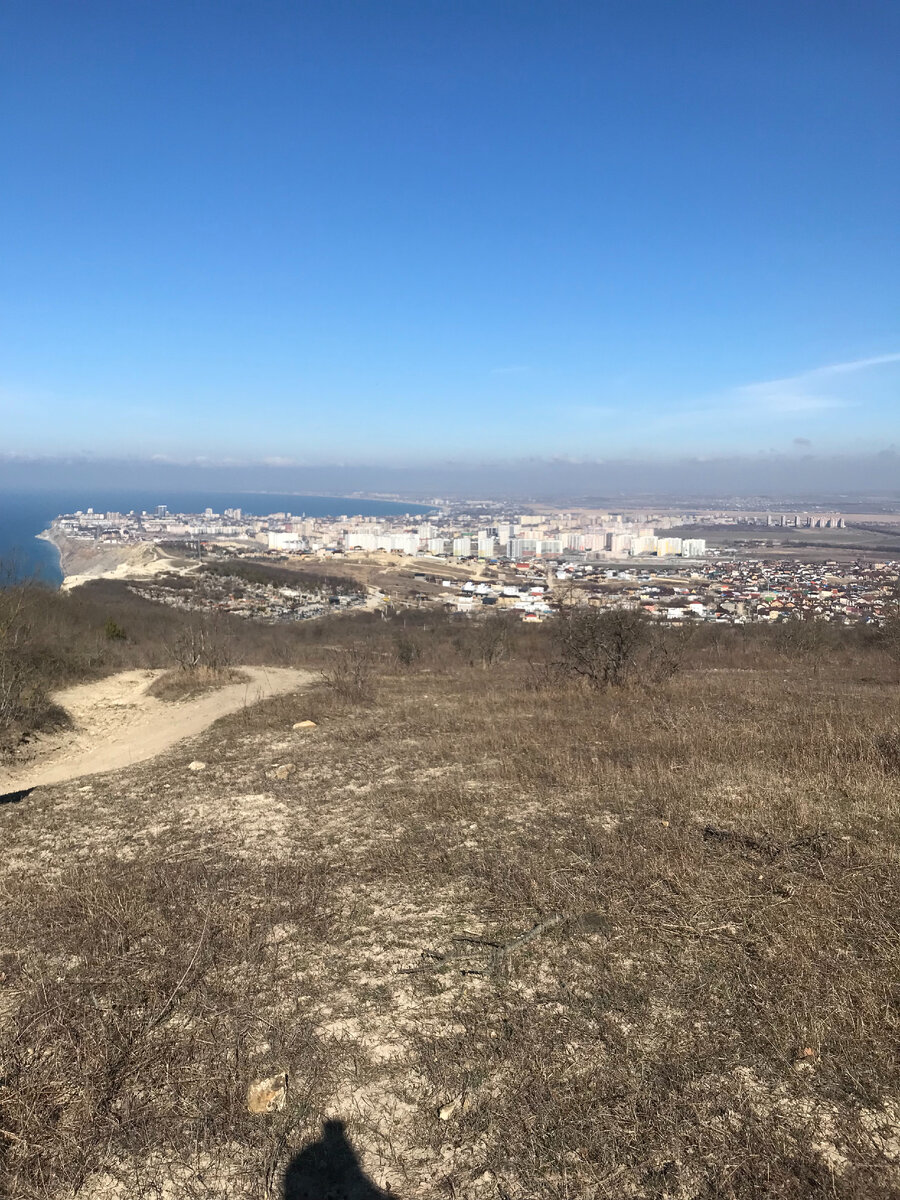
(493,639)
(11,632)
(483,641)
(351,675)
(600,646)
(408,650)
(25,703)
(203,645)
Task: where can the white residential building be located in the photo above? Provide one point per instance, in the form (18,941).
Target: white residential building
(357,540)
(406,543)
(284,541)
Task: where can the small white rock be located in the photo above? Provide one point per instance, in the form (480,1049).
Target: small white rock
(196,765)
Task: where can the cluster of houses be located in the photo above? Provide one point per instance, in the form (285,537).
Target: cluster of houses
(270,603)
(529,598)
(748,591)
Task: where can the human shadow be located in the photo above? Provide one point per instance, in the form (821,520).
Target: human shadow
(15,797)
(329,1170)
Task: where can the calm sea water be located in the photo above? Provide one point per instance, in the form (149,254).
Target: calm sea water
(25,514)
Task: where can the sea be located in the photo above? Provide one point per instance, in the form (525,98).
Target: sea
(23,515)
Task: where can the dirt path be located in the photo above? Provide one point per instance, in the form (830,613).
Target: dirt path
(117,723)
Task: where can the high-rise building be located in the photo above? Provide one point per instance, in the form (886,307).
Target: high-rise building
(406,543)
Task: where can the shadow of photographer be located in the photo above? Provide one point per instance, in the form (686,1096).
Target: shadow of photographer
(328,1169)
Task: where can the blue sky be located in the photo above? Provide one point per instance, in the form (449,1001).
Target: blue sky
(400,231)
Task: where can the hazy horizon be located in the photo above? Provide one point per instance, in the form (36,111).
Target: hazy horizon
(800,475)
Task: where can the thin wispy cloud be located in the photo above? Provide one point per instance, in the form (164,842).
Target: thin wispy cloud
(803,392)
(787,396)
(856,364)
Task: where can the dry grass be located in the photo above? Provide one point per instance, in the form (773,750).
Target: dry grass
(182,684)
(707,1006)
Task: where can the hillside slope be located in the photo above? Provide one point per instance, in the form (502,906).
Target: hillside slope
(507,939)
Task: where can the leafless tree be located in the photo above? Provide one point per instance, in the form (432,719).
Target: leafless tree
(492,638)
(13,634)
(600,646)
(202,644)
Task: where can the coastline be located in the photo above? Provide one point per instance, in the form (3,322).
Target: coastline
(46,535)
(80,562)
(32,550)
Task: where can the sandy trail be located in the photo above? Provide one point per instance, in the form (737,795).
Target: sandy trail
(117,723)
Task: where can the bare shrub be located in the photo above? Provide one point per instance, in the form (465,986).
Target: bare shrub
(350,675)
(600,646)
(201,644)
(541,676)
(666,651)
(493,639)
(483,641)
(25,703)
(408,650)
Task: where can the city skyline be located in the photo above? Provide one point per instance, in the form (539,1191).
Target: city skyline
(354,233)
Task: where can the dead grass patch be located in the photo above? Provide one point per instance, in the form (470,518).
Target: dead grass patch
(179,684)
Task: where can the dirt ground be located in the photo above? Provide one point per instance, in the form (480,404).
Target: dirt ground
(116,723)
(506,939)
